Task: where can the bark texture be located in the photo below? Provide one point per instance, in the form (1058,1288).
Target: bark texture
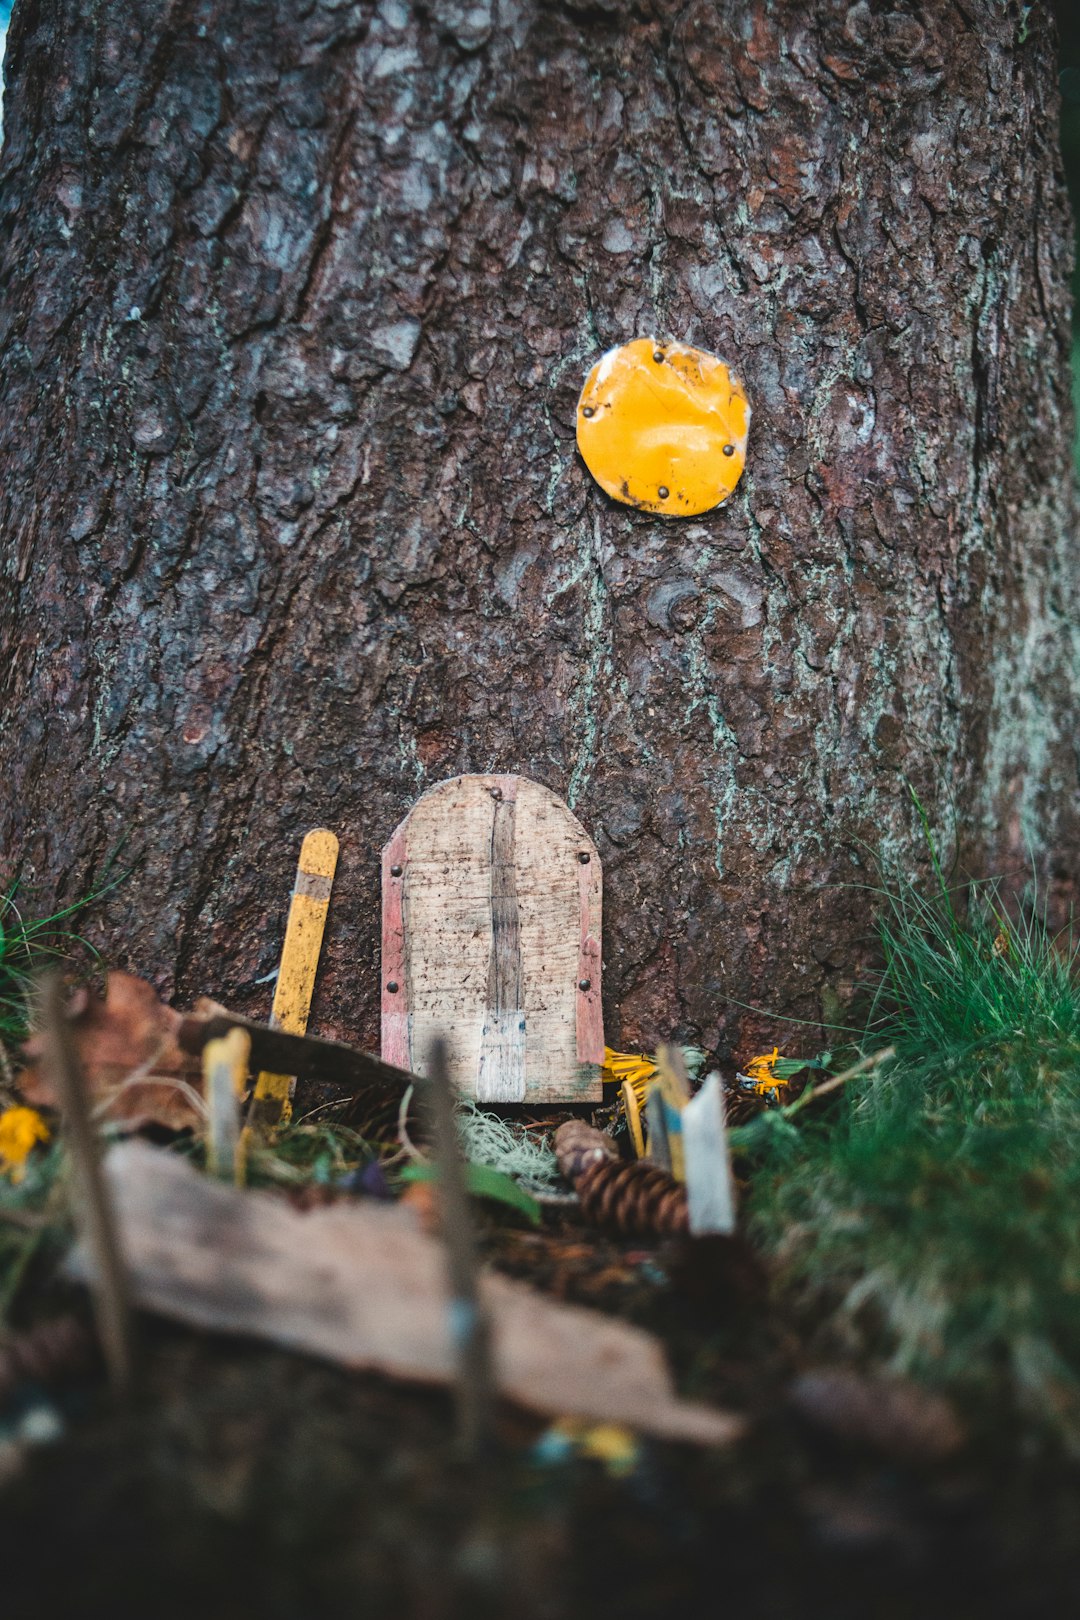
(296,302)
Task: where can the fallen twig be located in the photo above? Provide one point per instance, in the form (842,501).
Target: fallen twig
(7,1079)
(301,1055)
(137,1078)
(469,1325)
(812,1093)
(93,1210)
(408,1146)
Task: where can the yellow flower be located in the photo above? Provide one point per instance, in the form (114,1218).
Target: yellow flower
(762,1072)
(608,1443)
(635,1068)
(20,1130)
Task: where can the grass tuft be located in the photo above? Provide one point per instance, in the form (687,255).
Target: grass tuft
(26,947)
(34,1224)
(32,1221)
(299,1155)
(934,1207)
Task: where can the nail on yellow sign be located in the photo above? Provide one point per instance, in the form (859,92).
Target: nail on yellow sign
(664,427)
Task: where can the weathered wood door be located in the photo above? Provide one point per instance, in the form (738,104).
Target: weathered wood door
(491,938)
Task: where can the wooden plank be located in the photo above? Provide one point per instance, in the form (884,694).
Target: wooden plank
(359,1283)
(299,963)
(710,1185)
(492,905)
(300,1055)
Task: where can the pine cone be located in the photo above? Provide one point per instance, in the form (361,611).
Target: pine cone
(579,1145)
(638,1200)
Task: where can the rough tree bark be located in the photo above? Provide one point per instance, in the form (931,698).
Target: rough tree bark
(296,302)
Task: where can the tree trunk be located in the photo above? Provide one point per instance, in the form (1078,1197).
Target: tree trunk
(296,303)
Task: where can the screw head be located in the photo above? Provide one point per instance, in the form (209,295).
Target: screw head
(587,410)
(395,871)
(729,449)
(663,492)
(393,987)
(584,984)
(658,356)
(584,857)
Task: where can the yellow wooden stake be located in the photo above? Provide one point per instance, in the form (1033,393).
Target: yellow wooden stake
(673,1084)
(272,1103)
(633,1118)
(225,1070)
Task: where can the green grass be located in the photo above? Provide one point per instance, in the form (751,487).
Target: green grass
(28,946)
(931,1212)
(32,1217)
(300,1154)
(34,1226)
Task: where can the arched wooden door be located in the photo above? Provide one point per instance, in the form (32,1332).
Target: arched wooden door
(492,897)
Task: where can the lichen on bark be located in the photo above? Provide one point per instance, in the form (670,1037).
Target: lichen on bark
(296,301)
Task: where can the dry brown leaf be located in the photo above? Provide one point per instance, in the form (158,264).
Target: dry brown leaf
(362,1285)
(129,1033)
(207,1007)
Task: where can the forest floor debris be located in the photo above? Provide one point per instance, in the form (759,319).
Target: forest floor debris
(362,1285)
(898,1333)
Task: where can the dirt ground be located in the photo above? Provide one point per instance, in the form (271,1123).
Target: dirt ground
(245,1480)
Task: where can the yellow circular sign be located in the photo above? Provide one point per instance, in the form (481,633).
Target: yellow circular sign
(664,427)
